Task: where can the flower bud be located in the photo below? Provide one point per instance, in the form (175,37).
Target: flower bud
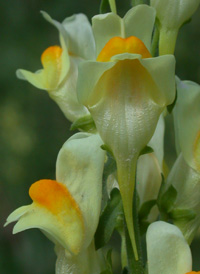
(171,15)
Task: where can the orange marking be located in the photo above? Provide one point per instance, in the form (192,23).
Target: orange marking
(118,45)
(51,55)
(53,196)
(193,272)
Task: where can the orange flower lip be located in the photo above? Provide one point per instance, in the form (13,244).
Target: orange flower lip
(53,196)
(51,55)
(118,45)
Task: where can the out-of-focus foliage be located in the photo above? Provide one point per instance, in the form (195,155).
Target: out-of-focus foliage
(32,128)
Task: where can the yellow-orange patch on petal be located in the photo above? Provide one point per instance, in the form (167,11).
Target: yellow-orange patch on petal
(52,63)
(193,272)
(54,196)
(118,45)
(196,151)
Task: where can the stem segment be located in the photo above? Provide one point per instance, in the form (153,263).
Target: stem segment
(126,178)
(113,6)
(135,266)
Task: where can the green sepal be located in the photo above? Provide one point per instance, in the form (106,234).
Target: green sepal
(166,199)
(85,123)
(108,263)
(180,214)
(105,147)
(109,219)
(171,107)
(146,150)
(104,6)
(145,209)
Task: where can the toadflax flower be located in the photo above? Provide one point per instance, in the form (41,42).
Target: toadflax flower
(126,90)
(172,14)
(60,64)
(185,174)
(67,210)
(167,250)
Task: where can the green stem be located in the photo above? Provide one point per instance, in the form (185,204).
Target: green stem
(126,178)
(113,6)
(167,41)
(135,266)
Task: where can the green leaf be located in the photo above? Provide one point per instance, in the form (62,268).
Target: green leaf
(171,107)
(109,168)
(179,214)
(104,6)
(146,150)
(109,219)
(85,123)
(145,209)
(168,199)
(161,191)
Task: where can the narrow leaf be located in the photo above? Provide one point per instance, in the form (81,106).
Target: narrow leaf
(108,220)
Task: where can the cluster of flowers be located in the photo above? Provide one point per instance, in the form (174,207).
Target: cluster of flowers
(108,82)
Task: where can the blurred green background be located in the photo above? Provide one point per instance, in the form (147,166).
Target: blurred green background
(32,128)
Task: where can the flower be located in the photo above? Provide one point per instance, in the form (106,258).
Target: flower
(67,210)
(185,174)
(167,250)
(60,64)
(171,16)
(126,90)
(188,134)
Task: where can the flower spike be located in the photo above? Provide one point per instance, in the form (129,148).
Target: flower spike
(125,94)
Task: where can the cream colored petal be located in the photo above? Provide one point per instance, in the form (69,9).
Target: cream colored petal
(87,262)
(88,76)
(162,71)
(137,22)
(105,26)
(65,96)
(157,141)
(53,211)
(36,79)
(79,166)
(148,180)
(167,250)
(172,14)
(80,36)
(77,33)
(186,119)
